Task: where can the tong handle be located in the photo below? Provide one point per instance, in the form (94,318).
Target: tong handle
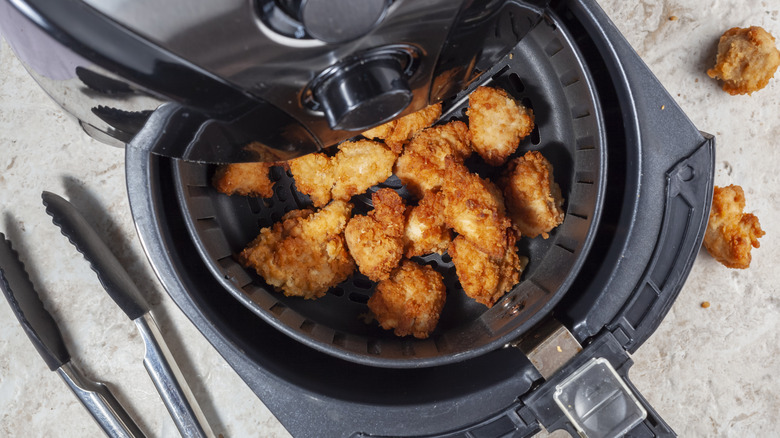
(170,383)
(101,403)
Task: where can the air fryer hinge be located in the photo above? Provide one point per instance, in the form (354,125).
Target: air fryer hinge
(549,346)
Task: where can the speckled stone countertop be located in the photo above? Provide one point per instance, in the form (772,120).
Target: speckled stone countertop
(708,371)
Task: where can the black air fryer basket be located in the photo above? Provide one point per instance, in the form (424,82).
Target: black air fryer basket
(637,179)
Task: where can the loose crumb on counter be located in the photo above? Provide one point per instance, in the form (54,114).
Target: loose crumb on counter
(705,304)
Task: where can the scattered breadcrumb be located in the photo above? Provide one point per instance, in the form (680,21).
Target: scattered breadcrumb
(396,133)
(304,254)
(375,241)
(245,179)
(357,166)
(421,166)
(484,278)
(705,304)
(425,230)
(410,301)
(533,198)
(747,59)
(731,233)
(497,124)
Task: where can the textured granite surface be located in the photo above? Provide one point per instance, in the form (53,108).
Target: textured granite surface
(708,371)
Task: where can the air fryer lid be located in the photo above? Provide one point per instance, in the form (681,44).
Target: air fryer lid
(547,73)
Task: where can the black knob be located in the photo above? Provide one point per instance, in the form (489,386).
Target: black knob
(336,21)
(363,94)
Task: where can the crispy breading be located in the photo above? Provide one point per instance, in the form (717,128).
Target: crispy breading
(747,59)
(422,165)
(375,241)
(396,133)
(474,208)
(497,124)
(410,301)
(533,198)
(359,165)
(425,230)
(245,179)
(356,166)
(313,174)
(484,278)
(730,232)
(304,254)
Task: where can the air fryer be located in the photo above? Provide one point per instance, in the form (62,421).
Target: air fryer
(636,174)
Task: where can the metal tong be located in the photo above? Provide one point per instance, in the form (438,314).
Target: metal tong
(43,331)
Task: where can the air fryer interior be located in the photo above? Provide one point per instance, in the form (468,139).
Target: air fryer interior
(546,72)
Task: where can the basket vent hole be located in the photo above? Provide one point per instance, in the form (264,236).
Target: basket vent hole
(516,83)
(374,347)
(569,78)
(336,291)
(580,113)
(256,206)
(340,339)
(535,136)
(358,298)
(362,283)
(199,191)
(407,349)
(585,144)
(278,308)
(553,47)
(307,326)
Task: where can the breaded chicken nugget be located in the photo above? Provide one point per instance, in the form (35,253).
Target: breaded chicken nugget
(245,179)
(425,230)
(484,278)
(474,208)
(357,166)
(421,166)
(313,174)
(305,253)
(497,124)
(410,301)
(747,60)
(397,132)
(730,232)
(533,198)
(375,241)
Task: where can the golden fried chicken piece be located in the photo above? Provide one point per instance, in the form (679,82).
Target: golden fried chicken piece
(474,208)
(245,179)
(357,166)
(730,232)
(375,241)
(313,174)
(497,124)
(747,59)
(421,166)
(304,254)
(425,230)
(397,132)
(484,278)
(533,198)
(410,301)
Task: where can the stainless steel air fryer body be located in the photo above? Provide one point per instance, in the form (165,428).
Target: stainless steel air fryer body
(284,76)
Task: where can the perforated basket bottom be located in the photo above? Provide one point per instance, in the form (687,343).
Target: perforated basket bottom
(546,73)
